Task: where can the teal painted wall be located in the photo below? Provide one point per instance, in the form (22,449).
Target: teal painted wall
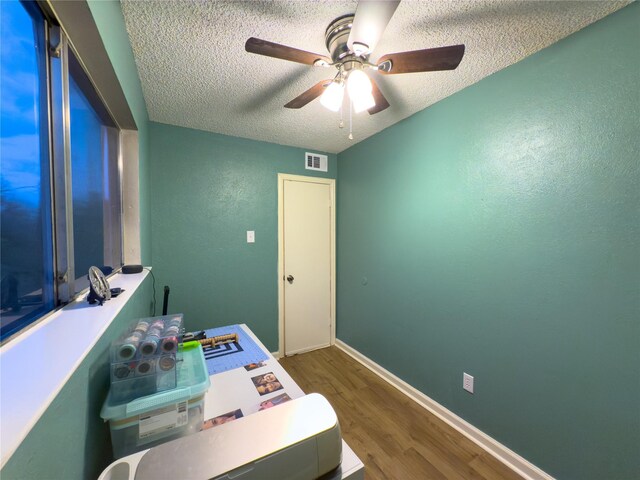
(70,441)
(208,190)
(499,232)
(110,21)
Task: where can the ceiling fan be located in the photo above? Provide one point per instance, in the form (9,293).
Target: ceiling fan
(350,40)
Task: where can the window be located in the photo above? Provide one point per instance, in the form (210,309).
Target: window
(27,257)
(95,179)
(60,206)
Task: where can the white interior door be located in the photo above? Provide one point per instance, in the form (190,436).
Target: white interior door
(306,288)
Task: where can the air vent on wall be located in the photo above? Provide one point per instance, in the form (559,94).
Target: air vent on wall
(315,161)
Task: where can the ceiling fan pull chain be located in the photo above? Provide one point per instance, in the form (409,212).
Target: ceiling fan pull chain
(341,124)
(350,120)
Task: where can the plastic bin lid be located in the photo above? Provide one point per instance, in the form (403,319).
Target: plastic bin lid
(192,380)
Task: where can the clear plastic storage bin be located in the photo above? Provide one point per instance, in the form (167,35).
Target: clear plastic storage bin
(148,421)
(144,357)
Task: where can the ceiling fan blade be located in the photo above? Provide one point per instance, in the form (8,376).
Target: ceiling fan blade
(270,49)
(427,60)
(381,102)
(371,18)
(311,94)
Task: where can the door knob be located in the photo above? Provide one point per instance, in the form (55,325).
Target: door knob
(290,279)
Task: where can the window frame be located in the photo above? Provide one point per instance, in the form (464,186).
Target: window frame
(61,63)
(55,140)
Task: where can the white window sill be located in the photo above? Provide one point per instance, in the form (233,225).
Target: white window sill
(35,366)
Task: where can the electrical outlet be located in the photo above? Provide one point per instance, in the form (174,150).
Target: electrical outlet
(467,382)
(251,236)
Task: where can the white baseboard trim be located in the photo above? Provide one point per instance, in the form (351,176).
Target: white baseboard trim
(511,459)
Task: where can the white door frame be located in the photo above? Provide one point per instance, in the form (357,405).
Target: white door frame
(332,189)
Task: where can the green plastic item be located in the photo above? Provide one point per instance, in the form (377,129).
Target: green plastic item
(190,345)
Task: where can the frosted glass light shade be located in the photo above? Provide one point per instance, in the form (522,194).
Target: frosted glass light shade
(359,88)
(363,102)
(332,96)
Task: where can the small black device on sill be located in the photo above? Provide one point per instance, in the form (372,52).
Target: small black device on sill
(127,269)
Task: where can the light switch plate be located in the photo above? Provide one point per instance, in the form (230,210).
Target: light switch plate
(467,382)
(251,236)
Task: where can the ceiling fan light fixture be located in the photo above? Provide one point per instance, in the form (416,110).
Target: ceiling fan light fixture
(332,96)
(363,102)
(360,88)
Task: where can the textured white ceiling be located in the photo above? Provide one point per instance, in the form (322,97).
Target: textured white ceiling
(195,72)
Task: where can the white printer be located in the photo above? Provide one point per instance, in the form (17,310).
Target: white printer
(298,440)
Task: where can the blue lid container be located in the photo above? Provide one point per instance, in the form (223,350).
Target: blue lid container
(192,380)
(157,418)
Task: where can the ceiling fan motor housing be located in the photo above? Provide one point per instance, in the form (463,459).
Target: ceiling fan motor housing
(336,37)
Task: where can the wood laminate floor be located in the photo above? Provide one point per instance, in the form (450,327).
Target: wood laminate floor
(393,436)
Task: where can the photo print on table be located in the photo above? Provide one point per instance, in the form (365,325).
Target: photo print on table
(220,419)
(266,383)
(253,366)
(275,401)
